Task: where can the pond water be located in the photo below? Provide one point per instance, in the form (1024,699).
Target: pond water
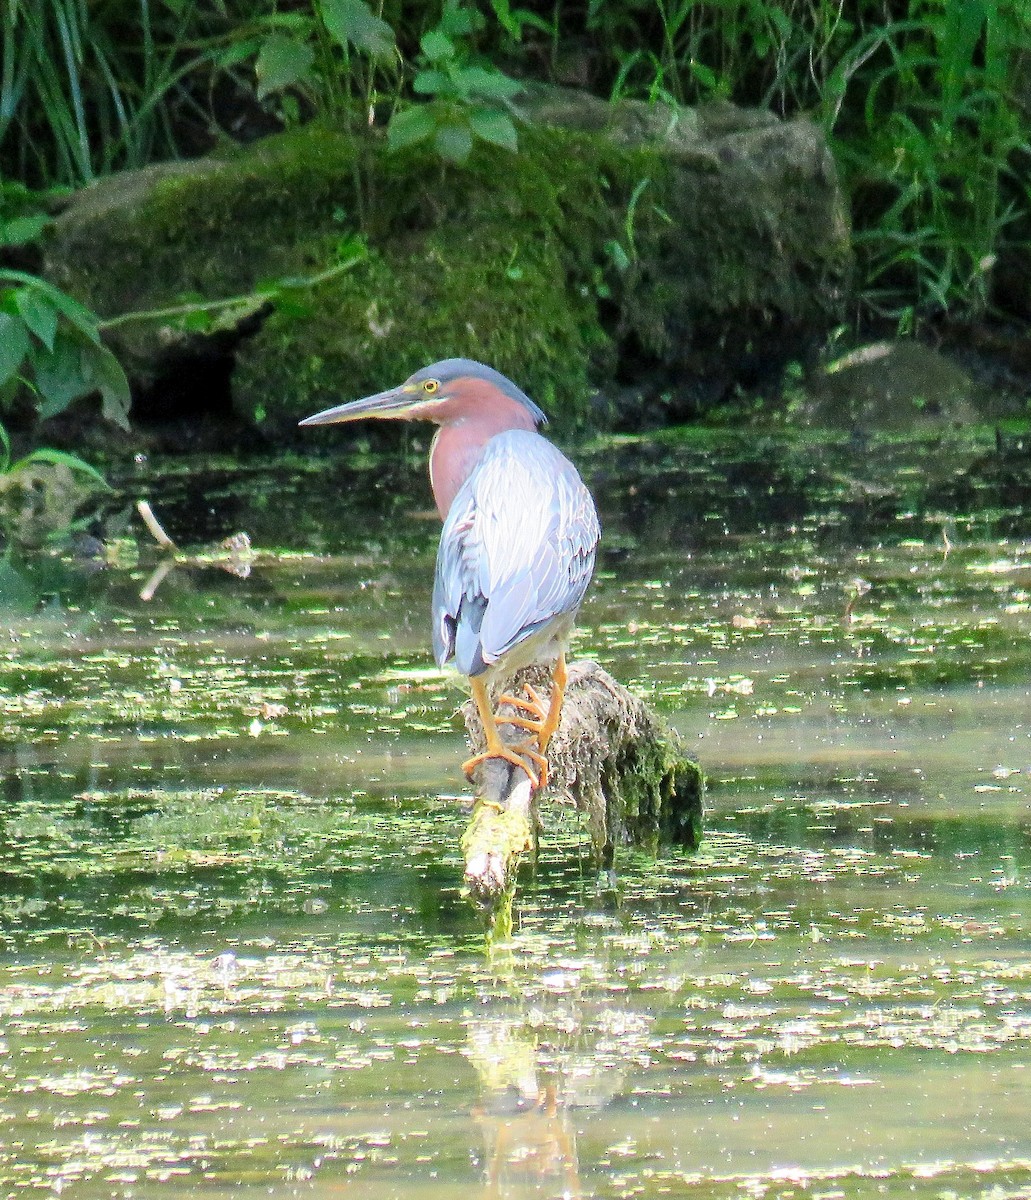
(234,955)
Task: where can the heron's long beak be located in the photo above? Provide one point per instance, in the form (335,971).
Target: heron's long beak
(396,403)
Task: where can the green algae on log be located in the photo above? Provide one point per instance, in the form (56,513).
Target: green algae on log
(682,241)
(611,757)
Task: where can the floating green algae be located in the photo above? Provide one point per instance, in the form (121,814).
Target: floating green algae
(234,953)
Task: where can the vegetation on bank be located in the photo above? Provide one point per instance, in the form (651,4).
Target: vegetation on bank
(555,265)
(927,106)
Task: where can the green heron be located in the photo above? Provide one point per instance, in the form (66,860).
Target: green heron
(518,545)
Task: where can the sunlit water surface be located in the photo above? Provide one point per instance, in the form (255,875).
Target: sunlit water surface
(235,959)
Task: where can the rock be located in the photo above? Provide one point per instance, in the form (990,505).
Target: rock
(909,412)
(901,387)
(40,499)
(669,241)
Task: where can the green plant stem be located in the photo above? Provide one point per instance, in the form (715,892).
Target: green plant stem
(207,306)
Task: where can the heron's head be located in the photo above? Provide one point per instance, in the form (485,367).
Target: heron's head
(443,392)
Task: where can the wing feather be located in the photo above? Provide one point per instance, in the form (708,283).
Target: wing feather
(516,551)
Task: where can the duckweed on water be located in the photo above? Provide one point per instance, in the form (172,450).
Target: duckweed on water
(234,957)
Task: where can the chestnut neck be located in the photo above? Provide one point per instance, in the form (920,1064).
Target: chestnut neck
(469,422)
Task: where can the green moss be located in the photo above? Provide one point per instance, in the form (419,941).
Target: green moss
(506,836)
(655,793)
(549,264)
(393,314)
(504,263)
(214,227)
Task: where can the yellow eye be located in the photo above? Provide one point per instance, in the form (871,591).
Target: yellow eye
(430,386)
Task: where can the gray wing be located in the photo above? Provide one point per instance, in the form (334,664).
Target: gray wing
(517,550)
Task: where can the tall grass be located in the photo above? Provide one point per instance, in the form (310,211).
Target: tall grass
(938,156)
(85,84)
(922,102)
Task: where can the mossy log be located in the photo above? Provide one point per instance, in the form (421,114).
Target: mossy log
(612,757)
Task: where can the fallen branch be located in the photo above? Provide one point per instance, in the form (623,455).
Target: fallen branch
(232,554)
(612,757)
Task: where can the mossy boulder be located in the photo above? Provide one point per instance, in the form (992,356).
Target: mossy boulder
(900,386)
(631,240)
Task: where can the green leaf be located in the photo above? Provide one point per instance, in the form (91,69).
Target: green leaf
(618,256)
(198,321)
(84,321)
(351,248)
(14,345)
(488,83)
(20,230)
(38,313)
(430,83)
(353,22)
(453,142)
(491,125)
(282,62)
(508,22)
(437,46)
(705,76)
(5,446)
(8,392)
(60,458)
(458,21)
(76,368)
(782,21)
(109,377)
(410,126)
(290,304)
(514,22)
(59,374)
(236,53)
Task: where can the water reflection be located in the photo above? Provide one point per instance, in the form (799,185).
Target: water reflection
(529,1140)
(566,1048)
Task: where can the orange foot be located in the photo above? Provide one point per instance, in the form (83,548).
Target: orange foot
(496,748)
(533,704)
(535,724)
(513,755)
(543,720)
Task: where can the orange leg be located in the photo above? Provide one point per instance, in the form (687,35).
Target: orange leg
(544,723)
(559,679)
(532,704)
(496,748)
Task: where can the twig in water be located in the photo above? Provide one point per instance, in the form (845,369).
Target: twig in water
(154,525)
(857,588)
